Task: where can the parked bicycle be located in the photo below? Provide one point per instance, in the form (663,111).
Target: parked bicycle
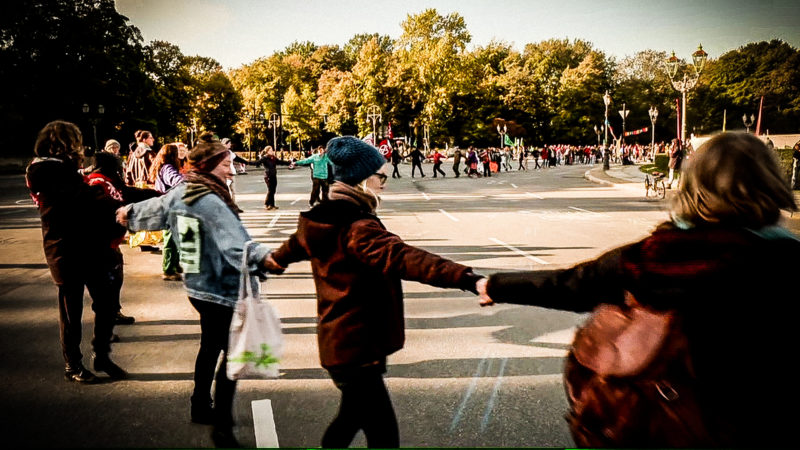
(654,186)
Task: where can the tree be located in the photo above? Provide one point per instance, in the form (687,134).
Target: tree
(55,56)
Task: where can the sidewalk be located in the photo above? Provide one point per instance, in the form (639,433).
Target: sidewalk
(630,177)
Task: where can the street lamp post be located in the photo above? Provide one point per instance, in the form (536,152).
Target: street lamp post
(598,133)
(274,123)
(374,115)
(688,83)
(94,120)
(426,138)
(502,131)
(653,112)
(750,123)
(606,101)
(624,113)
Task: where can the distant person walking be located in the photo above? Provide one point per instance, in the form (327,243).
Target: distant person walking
(437,163)
(137,173)
(416,162)
(457,162)
(319,175)
(271,163)
(675,161)
(397,158)
(796,166)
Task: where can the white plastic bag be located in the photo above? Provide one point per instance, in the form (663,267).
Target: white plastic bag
(255,343)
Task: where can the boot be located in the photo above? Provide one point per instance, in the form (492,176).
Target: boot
(202,411)
(122,319)
(102,363)
(79,374)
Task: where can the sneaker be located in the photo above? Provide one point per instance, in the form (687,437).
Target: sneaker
(79,374)
(122,319)
(172,277)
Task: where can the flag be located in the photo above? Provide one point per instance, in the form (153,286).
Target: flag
(758,124)
(508,141)
(386,149)
(610,129)
(369,139)
(389,132)
(635,132)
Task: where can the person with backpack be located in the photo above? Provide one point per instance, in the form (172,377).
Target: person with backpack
(712,287)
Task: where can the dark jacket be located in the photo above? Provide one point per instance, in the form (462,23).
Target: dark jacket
(416,156)
(357,266)
(735,292)
(78,220)
(271,164)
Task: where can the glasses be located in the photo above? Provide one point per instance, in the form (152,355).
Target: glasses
(382,177)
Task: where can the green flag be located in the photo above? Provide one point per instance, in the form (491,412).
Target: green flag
(509,142)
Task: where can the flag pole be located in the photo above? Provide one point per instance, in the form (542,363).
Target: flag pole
(758,125)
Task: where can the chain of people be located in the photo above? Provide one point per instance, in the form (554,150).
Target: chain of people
(724,218)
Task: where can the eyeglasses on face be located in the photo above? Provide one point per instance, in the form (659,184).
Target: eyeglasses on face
(382,177)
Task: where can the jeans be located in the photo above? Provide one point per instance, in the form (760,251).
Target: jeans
(319,191)
(170,262)
(272,185)
(215,322)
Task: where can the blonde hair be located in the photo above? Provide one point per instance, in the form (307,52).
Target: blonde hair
(733,179)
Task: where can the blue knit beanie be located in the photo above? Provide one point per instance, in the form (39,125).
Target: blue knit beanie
(353,159)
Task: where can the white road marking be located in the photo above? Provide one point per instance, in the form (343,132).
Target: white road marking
(518,251)
(296,200)
(587,211)
(449,216)
(264,424)
(426,196)
(515,186)
(535,195)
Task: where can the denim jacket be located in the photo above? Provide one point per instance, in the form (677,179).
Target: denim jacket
(211,262)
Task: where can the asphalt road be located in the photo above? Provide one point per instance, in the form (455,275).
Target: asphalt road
(468,376)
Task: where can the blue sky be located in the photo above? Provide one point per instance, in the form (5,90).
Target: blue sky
(236,32)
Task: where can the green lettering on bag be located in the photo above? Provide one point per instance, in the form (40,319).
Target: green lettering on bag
(265,359)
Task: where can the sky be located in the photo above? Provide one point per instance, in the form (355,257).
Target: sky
(237,32)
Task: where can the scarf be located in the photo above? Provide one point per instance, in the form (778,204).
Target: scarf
(343,191)
(199,184)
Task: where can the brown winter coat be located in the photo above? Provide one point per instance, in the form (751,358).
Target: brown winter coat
(358,266)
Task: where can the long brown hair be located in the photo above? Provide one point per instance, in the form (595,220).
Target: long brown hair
(733,179)
(167,155)
(61,140)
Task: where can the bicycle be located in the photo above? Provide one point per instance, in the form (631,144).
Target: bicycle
(654,186)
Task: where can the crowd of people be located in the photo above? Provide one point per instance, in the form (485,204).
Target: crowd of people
(724,217)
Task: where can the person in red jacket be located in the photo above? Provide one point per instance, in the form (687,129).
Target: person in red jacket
(437,163)
(358,266)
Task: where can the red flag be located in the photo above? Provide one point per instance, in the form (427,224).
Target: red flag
(386,149)
(389,132)
(758,124)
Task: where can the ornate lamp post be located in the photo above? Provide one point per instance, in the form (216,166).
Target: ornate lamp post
(426,138)
(274,123)
(94,119)
(502,131)
(598,133)
(653,112)
(606,101)
(624,113)
(374,116)
(750,123)
(688,83)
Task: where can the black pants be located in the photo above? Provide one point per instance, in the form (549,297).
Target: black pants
(455,170)
(487,170)
(215,322)
(414,166)
(272,184)
(437,168)
(103,283)
(319,191)
(365,406)
(395,172)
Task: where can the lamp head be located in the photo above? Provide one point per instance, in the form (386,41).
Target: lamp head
(699,58)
